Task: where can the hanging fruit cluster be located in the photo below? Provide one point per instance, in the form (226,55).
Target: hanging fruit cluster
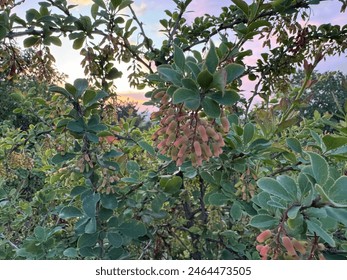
(191,98)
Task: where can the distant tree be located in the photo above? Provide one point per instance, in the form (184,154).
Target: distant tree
(327,93)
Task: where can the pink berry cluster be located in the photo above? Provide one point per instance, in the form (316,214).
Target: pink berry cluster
(184,134)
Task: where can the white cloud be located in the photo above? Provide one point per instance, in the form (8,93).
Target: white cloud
(139,9)
(81,2)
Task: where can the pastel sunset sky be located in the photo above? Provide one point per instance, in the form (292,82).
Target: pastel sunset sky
(151,11)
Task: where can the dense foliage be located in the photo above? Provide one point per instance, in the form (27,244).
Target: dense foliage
(211,178)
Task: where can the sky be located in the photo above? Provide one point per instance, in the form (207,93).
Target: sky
(151,11)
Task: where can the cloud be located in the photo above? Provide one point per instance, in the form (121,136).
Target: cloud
(81,2)
(140,9)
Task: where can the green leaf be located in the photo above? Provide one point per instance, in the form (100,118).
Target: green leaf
(334,141)
(205,79)
(81,85)
(338,191)
(88,96)
(193,104)
(248,133)
(189,84)
(113,74)
(236,211)
(242,5)
(293,211)
(338,214)
(31,41)
(55,41)
(90,226)
(78,43)
(115,239)
(3,32)
(183,94)
(179,57)
(218,199)
(109,201)
(294,144)
(320,168)
(273,187)
(212,59)
(173,185)
(69,212)
(100,3)
(234,71)
(89,204)
(289,185)
(147,147)
(70,253)
(211,107)
(229,97)
(170,75)
(40,234)
(220,80)
(315,228)
(264,221)
(132,229)
(76,126)
(59,158)
(87,240)
(116,3)
(97,97)
(94,10)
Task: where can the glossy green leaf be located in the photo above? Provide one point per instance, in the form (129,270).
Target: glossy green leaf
(317,229)
(320,168)
(115,239)
(69,212)
(273,187)
(60,158)
(211,107)
(264,221)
